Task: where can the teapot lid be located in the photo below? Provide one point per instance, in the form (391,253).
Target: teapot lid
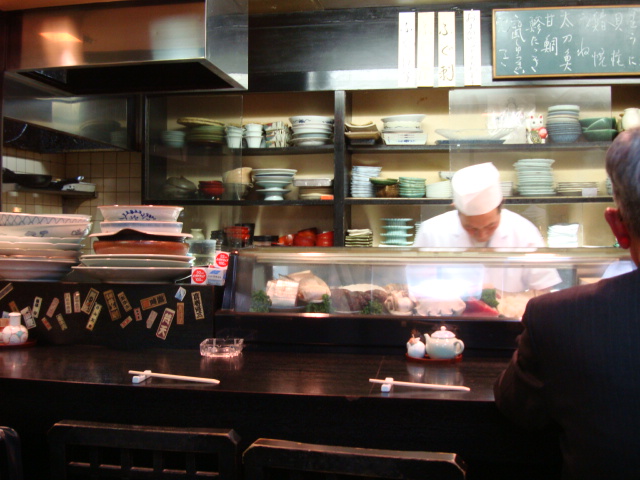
(443,333)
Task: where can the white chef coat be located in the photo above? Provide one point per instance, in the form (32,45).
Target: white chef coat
(514,231)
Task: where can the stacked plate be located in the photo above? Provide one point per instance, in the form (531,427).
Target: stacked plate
(359,238)
(535,176)
(609,186)
(272,182)
(397,233)
(507,188)
(575,188)
(412,187)
(361,186)
(134,247)
(563,235)
(311,130)
(403,124)
(173,138)
(563,123)
(440,189)
(40,247)
(202,130)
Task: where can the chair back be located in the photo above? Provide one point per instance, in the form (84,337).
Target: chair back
(108,450)
(10,454)
(281,459)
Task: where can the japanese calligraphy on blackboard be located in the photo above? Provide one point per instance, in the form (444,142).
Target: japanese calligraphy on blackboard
(566,41)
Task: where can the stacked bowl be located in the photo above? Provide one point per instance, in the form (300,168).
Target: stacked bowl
(311,130)
(138,244)
(234,136)
(272,182)
(359,237)
(397,233)
(212,189)
(173,138)
(254,135)
(563,124)
(237,183)
(412,187)
(40,247)
(439,189)
(599,129)
(535,176)
(403,130)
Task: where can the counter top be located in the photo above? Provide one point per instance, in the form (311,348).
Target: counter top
(322,398)
(316,374)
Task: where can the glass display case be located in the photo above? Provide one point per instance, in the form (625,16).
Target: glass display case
(373,296)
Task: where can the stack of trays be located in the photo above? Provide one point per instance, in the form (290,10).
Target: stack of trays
(273,182)
(361,186)
(412,187)
(40,247)
(359,238)
(397,233)
(563,123)
(138,244)
(535,176)
(202,130)
(440,189)
(574,188)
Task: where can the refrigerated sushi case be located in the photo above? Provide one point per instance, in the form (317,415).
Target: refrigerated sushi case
(374,299)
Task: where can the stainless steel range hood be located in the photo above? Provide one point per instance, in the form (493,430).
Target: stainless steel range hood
(128,47)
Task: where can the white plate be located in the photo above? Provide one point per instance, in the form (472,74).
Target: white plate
(134,274)
(34,269)
(474,134)
(274,171)
(158,213)
(133,262)
(40,245)
(78,230)
(52,240)
(39,252)
(313,141)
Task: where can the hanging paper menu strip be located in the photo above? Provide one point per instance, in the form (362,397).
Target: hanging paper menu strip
(426,48)
(566,41)
(406,49)
(446,49)
(472,48)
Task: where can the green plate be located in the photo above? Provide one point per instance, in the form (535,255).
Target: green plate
(383,181)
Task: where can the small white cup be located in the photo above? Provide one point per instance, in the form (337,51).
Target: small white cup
(253,141)
(253,128)
(234,141)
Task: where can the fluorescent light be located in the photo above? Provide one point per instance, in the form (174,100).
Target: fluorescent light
(60,37)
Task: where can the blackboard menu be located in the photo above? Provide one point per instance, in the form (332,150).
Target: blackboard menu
(566,41)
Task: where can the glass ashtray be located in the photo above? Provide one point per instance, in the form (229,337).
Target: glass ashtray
(221,347)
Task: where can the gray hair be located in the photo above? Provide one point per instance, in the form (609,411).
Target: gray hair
(623,168)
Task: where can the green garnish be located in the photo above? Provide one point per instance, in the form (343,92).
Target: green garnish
(260,301)
(489,297)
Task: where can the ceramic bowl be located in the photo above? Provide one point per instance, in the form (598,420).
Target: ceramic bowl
(307,119)
(44,231)
(602,135)
(15,219)
(237,175)
(158,213)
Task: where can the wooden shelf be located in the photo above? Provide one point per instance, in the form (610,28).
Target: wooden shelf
(555,199)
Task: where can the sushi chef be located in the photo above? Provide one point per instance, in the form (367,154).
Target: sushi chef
(479,220)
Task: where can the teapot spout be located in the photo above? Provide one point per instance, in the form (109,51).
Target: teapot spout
(427,338)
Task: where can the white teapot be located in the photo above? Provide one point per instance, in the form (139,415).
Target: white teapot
(443,344)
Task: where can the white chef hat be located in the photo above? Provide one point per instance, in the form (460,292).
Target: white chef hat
(476,189)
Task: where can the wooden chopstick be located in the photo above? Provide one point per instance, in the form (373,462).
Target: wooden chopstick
(148,373)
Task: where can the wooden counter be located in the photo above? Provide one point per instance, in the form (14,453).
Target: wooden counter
(308,397)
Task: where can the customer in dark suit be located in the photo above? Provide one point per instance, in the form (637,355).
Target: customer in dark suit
(577,366)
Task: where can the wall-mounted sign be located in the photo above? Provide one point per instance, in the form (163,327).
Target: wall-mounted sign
(566,41)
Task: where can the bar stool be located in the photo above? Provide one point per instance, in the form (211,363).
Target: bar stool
(10,454)
(109,450)
(269,459)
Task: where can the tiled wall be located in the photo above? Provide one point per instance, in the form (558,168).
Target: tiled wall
(117,176)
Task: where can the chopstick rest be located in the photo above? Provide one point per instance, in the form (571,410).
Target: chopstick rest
(388,382)
(142,376)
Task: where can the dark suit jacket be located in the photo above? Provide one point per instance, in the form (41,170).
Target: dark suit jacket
(578,367)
